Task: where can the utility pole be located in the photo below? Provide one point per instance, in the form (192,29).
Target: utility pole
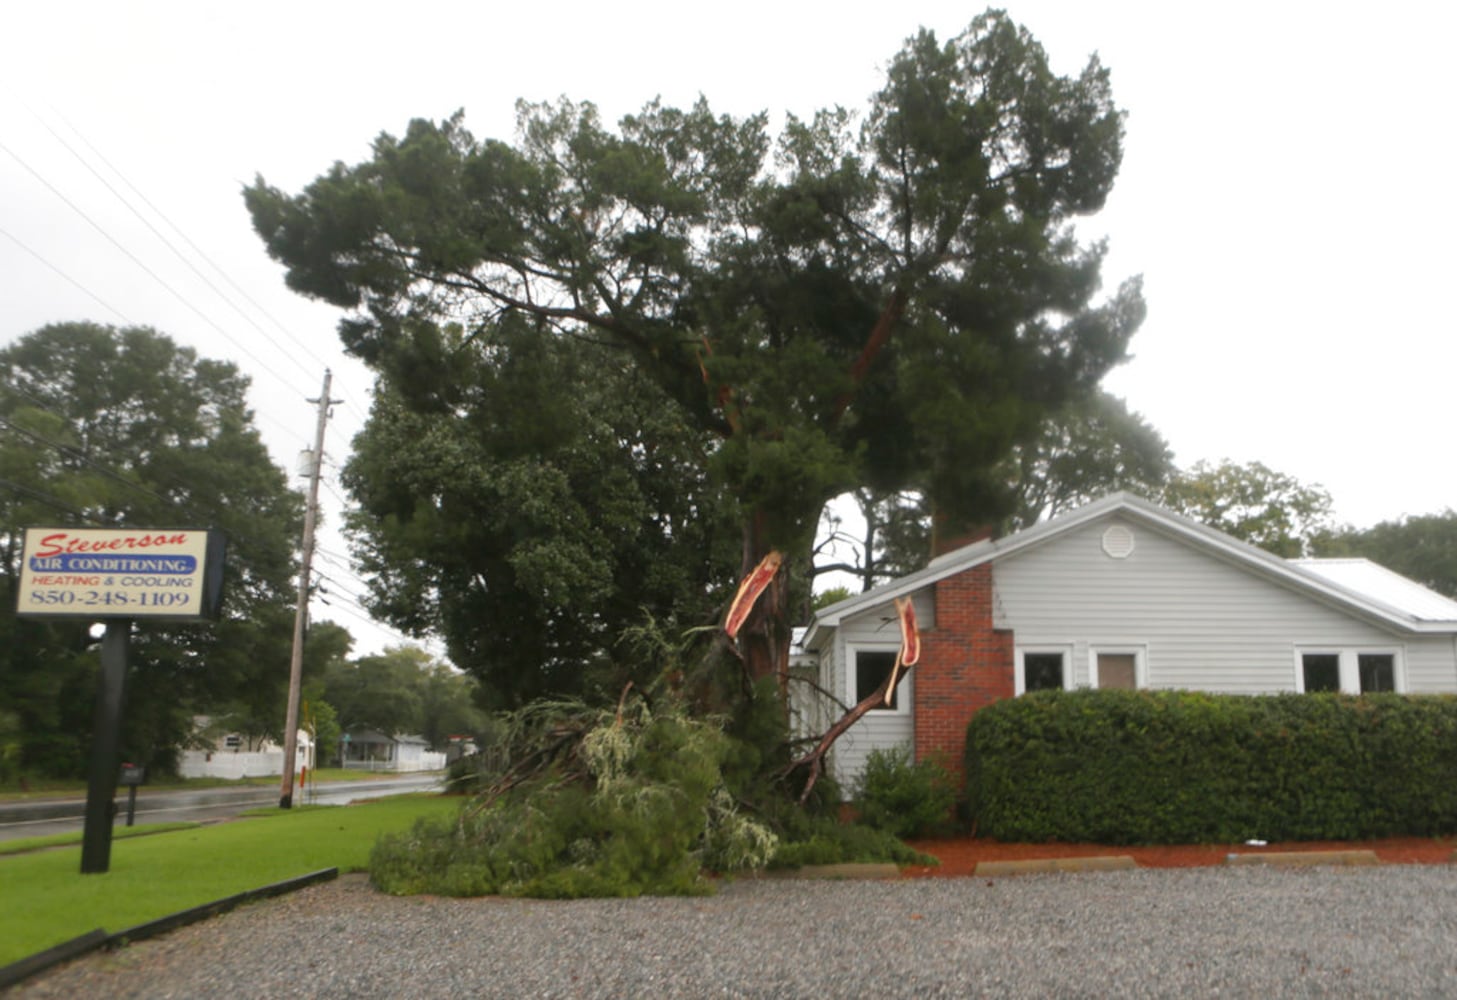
(300,618)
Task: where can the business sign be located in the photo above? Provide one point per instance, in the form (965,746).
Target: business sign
(96,573)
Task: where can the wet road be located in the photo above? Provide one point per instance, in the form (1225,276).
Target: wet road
(38,819)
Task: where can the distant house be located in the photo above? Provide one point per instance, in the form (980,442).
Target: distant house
(220,753)
(1118,593)
(369,749)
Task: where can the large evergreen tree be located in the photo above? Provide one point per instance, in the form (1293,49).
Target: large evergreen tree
(104,427)
(554,501)
(889,301)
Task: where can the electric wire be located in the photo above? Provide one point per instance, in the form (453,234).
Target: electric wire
(82,288)
(176,229)
(138,261)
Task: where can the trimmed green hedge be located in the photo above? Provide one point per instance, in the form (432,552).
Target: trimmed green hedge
(1169,767)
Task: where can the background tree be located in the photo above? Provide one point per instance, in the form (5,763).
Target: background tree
(877,306)
(1089,448)
(561,501)
(1423,548)
(1253,502)
(108,427)
(404,690)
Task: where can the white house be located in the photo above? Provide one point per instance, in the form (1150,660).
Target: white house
(1120,593)
(371,750)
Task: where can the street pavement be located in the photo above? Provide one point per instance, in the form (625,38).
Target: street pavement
(50,816)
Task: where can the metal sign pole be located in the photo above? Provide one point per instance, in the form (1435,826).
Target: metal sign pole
(105,755)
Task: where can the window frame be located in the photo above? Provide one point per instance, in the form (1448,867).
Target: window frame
(1065,650)
(903,688)
(1347,658)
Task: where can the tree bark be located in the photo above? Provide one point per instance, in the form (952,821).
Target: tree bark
(765,636)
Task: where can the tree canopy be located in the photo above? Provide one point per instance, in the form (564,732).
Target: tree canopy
(887,300)
(560,502)
(1253,502)
(106,427)
(403,690)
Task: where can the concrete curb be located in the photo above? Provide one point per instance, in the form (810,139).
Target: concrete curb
(1104,863)
(1295,859)
(860,870)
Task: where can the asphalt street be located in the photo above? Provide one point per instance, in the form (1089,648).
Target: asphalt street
(49,816)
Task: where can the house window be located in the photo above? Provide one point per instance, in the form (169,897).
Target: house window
(872,667)
(1321,672)
(1349,670)
(1376,672)
(232,742)
(1117,670)
(1042,670)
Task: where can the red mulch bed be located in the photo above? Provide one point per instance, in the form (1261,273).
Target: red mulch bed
(960,857)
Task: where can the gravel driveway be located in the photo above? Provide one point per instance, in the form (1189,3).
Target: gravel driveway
(1388,931)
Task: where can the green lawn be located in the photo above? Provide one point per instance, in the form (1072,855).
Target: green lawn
(44,899)
(24,844)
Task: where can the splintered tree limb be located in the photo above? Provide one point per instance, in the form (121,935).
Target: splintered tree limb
(879,698)
(879,336)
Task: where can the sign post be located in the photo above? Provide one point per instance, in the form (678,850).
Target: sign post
(116,575)
(106,737)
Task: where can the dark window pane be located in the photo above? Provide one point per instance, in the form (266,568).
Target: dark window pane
(871,670)
(1322,672)
(1378,672)
(1042,671)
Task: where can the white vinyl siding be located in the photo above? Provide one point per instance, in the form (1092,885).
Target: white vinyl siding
(875,629)
(1197,621)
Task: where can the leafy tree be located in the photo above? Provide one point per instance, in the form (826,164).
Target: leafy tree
(1253,502)
(448,706)
(1092,447)
(104,427)
(562,502)
(1089,448)
(885,304)
(257,712)
(1423,548)
(403,690)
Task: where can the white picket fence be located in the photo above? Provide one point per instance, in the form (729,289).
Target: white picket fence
(230,764)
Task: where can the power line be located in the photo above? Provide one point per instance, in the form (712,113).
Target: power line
(136,260)
(168,243)
(84,290)
(50,500)
(178,231)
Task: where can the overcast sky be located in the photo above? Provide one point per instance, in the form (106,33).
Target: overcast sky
(1285,190)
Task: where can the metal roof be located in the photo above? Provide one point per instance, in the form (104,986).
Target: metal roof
(1380,584)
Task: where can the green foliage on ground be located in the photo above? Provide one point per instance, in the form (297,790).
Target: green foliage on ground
(617,803)
(906,798)
(47,900)
(1164,767)
(646,798)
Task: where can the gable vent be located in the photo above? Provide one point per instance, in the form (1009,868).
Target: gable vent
(1118,542)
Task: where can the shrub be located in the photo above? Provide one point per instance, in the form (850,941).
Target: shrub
(1186,767)
(903,797)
